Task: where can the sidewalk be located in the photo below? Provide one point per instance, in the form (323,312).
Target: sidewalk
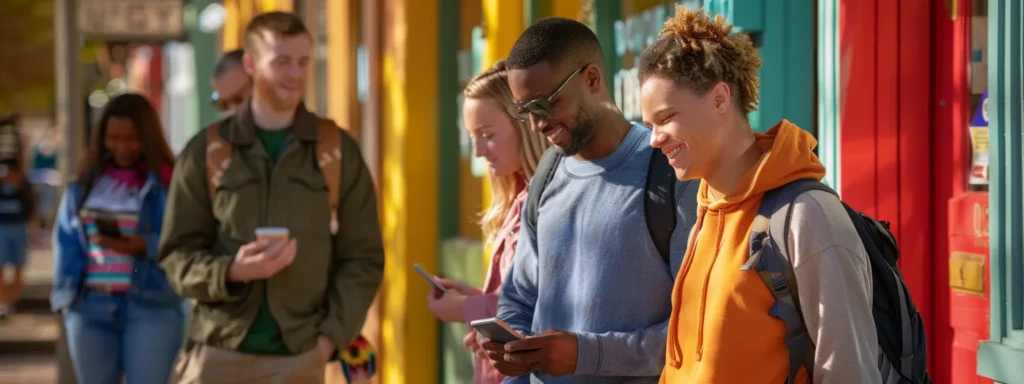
(28,340)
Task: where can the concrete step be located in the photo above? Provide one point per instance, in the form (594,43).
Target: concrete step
(28,368)
(29,333)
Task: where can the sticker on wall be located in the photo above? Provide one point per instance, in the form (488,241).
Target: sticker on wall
(978,176)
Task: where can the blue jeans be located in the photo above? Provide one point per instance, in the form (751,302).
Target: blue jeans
(13,244)
(113,335)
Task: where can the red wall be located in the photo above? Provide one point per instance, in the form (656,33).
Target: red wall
(887,131)
(904,145)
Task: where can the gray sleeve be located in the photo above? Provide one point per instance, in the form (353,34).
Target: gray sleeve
(833,276)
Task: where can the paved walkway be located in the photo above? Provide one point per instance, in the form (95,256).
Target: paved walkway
(28,340)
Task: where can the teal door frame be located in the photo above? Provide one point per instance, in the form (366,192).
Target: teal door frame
(999,358)
(205,49)
(828,70)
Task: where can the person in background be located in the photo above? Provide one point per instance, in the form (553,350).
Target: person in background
(699,83)
(231,84)
(18,218)
(512,151)
(123,320)
(272,311)
(45,177)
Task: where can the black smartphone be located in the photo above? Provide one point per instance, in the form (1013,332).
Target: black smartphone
(496,330)
(108,227)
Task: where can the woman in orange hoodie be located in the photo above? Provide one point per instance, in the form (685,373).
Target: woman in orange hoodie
(699,83)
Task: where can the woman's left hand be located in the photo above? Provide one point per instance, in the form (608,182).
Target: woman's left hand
(448,307)
(128,245)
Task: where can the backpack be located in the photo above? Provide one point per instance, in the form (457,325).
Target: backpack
(901,335)
(659,196)
(328,154)
(358,360)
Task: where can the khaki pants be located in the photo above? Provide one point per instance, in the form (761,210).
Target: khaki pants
(203,364)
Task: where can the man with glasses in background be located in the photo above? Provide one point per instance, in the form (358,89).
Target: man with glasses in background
(592,278)
(231,84)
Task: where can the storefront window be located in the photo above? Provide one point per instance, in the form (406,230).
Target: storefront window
(1000,357)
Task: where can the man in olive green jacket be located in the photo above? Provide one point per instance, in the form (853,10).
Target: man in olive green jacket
(271,312)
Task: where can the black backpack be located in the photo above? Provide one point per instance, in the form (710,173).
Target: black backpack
(901,334)
(659,196)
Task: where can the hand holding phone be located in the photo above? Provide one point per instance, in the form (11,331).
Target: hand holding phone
(108,227)
(496,330)
(430,278)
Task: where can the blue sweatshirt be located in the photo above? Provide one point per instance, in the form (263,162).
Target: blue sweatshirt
(593,269)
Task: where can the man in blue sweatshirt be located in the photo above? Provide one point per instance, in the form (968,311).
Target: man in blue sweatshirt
(589,287)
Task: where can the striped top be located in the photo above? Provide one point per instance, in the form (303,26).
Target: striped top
(115,195)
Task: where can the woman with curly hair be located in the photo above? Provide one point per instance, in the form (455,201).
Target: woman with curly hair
(123,321)
(699,83)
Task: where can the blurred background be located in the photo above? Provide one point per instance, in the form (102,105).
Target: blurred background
(916,105)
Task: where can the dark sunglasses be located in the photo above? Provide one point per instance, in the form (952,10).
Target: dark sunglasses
(543,108)
(226,102)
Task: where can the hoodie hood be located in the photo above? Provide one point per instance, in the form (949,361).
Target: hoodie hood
(720,309)
(789,156)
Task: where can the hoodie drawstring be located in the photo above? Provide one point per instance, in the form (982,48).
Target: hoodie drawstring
(675,349)
(704,289)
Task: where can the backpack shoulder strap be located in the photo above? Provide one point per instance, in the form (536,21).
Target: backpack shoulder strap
(545,171)
(659,202)
(218,158)
(768,256)
(328,156)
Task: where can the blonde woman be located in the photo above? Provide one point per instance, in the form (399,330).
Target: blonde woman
(512,151)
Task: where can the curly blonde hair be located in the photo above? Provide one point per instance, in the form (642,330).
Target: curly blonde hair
(699,51)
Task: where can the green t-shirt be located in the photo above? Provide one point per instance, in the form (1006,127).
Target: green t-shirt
(264,335)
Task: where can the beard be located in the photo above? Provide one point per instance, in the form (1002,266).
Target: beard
(581,134)
(264,90)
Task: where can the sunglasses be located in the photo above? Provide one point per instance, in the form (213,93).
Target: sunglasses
(228,102)
(543,108)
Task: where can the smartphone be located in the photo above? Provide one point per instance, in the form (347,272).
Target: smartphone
(429,277)
(108,227)
(495,330)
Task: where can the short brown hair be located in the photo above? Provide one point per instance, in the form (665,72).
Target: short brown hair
(698,52)
(281,24)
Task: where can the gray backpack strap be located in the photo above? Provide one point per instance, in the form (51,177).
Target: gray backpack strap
(768,256)
(545,171)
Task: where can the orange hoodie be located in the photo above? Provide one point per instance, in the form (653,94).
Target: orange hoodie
(720,330)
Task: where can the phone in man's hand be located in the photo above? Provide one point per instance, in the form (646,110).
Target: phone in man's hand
(496,330)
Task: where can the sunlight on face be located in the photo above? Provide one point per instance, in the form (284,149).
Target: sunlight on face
(685,125)
(495,137)
(280,68)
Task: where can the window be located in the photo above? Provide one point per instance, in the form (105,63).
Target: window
(1000,357)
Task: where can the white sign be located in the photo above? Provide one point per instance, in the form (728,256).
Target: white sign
(136,20)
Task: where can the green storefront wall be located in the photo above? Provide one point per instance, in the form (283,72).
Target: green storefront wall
(1000,357)
(205,55)
(796,83)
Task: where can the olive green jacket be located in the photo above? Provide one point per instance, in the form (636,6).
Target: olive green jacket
(330,285)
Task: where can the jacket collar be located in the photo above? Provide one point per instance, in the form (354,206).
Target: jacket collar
(242,130)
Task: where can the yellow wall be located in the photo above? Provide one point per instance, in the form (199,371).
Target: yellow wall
(409,182)
(504,21)
(239,12)
(342,32)
(565,8)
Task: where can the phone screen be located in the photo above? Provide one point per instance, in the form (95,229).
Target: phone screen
(495,330)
